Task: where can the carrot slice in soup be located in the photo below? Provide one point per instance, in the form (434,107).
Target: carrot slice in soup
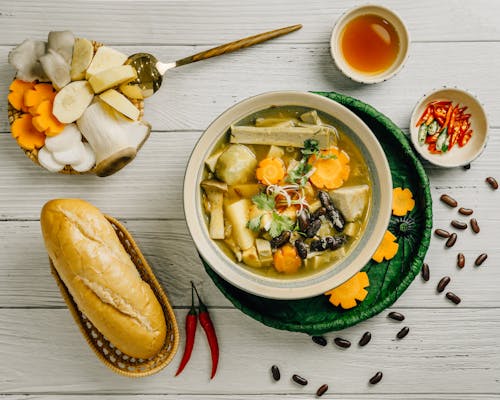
(331,169)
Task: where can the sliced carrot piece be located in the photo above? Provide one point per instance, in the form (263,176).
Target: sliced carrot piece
(354,289)
(25,133)
(286,259)
(44,120)
(331,169)
(40,92)
(270,171)
(387,249)
(16,96)
(402,201)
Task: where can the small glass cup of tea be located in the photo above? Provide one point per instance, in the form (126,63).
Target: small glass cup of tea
(369,44)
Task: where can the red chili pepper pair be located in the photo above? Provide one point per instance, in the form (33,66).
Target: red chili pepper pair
(208,327)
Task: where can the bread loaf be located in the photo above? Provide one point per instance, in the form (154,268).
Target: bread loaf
(101,277)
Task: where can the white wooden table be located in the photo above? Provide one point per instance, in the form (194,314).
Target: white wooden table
(452,352)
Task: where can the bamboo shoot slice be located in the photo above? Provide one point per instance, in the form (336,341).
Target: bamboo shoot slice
(280,136)
(237,214)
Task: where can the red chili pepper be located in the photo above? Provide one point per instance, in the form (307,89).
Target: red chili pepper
(208,327)
(447,119)
(191,321)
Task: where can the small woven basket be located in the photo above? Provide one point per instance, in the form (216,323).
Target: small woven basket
(33,154)
(105,351)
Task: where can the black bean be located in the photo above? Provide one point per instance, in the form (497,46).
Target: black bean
(425,272)
(301,248)
(322,390)
(313,228)
(376,378)
(459,224)
(451,240)
(280,240)
(365,339)
(442,233)
(460,260)
(298,379)
(275,371)
(325,199)
(466,166)
(318,245)
(334,242)
(396,316)
(480,259)
(465,211)
(318,213)
(336,218)
(319,340)
(304,220)
(443,283)
(403,332)
(492,182)
(474,225)
(450,201)
(453,297)
(344,343)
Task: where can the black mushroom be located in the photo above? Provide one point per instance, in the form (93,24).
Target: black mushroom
(304,220)
(313,228)
(333,214)
(327,243)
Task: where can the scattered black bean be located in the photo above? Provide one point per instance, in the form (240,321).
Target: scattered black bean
(460,260)
(365,339)
(465,211)
(275,371)
(304,220)
(403,332)
(450,201)
(443,283)
(453,297)
(301,248)
(322,390)
(451,240)
(474,225)
(298,379)
(313,228)
(425,272)
(480,259)
(459,224)
(280,240)
(376,378)
(466,166)
(396,316)
(442,233)
(336,218)
(324,198)
(492,182)
(344,343)
(318,213)
(319,340)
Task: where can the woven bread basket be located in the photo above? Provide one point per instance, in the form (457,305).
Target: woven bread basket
(105,351)
(33,154)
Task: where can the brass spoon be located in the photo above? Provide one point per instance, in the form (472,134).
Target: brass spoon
(150,70)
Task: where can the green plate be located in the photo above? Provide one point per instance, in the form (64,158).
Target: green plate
(389,279)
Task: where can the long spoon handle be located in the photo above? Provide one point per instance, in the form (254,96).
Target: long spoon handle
(239,44)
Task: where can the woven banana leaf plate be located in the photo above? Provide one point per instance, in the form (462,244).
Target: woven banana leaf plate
(389,279)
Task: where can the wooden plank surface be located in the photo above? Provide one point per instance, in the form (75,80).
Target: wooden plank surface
(451,352)
(49,356)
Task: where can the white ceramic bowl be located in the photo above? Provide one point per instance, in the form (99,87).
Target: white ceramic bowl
(336,48)
(457,156)
(290,288)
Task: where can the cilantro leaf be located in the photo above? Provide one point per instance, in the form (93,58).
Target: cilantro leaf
(264,202)
(311,146)
(254,223)
(298,174)
(279,224)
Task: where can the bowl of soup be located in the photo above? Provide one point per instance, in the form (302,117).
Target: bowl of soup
(287,195)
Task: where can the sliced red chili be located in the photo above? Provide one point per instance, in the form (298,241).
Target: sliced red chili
(425,115)
(432,138)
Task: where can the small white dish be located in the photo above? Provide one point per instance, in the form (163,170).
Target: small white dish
(336,40)
(325,279)
(457,156)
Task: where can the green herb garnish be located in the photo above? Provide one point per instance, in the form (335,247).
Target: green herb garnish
(279,224)
(254,223)
(264,202)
